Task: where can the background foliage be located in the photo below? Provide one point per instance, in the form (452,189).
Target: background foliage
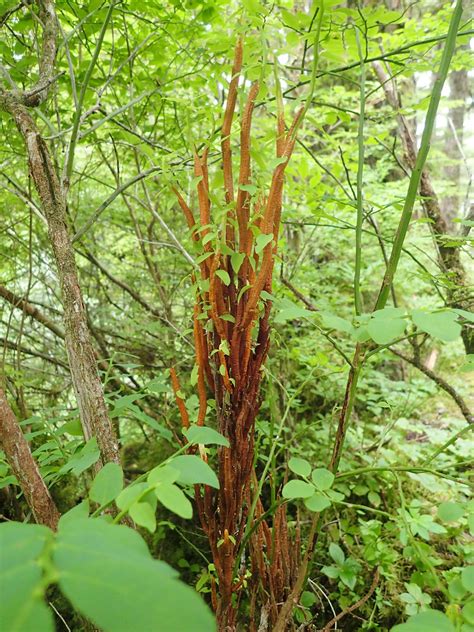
(401,502)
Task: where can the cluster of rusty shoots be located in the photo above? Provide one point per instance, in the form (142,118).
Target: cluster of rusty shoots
(231,337)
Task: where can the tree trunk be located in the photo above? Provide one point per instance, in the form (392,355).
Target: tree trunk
(459,293)
(25,468)
(451,203)
(82,362)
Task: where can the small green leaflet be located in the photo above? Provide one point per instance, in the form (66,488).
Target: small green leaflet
(83,459)
(331,321)
(174,499)
(193,470)
(467,578)
(163,474)
(441,325)
(129,495)
(289,311)
(386,325)
(223,276)
(317,502)
(299,466)
(465,314)
(236,261)
(322,478)
(249,188)
(79,511)
(450,512)
(142,513)
(336,553)
(262,241)
(205,436)
(107,485)
(297,489)
(21,606)
(427,621)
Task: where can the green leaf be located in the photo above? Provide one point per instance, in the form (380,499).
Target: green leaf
(261,241)
(337,553)
(468,612)
(79,511)
(174,499)
(205,436)
(292,312)
(331,321)
(143,515)
(450,512)
(82,460)
(297,489)
(73,428)
(465,314)
(322,478)
(386,325)
(236,261)
(330,571)
(456,589)
(348,578)
(467,578)
(108,575)
(21,606)
(441,325)
(317,502)
(163,474)
(249,188)
(223,276)
(129,495)
(193,470)
(299,466)
(107,485)
(427,621)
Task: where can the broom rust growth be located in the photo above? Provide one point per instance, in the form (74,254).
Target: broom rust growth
(231,338)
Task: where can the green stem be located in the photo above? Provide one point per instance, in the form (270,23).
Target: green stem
(398,468)
(449,442)
(360,176)
(421,157)
(77,115)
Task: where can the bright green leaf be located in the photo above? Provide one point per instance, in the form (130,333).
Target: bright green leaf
(322,478)
(427,621)
(299,466)
(450,512)
(262,241)
(336,553)
(467,578)
(174,499)
(21,607)
(107,485)
(205,436)
(441,325)
(193,470)
(317,502)
(297,489)
(143,515)
(223,276)
(107,573)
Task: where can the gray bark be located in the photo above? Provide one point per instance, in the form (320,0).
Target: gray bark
(25,468)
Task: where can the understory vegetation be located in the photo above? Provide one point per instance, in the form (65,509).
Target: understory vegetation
(236,316)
